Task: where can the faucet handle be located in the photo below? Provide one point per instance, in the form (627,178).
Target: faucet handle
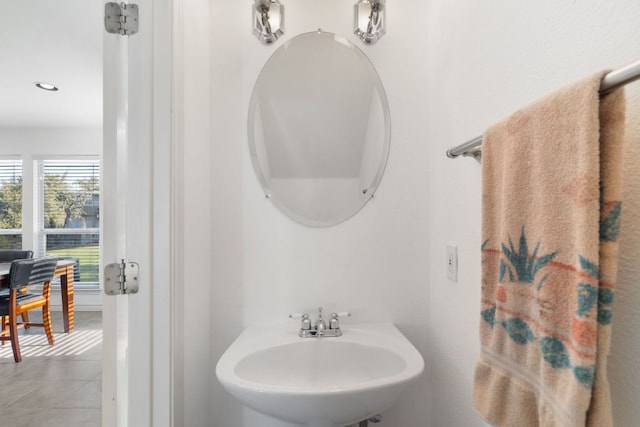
(333,322)
(297,315)
(305,325)
(342,314)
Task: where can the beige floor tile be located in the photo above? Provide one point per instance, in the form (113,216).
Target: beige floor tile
(65,390)
(68,418)
(89,396)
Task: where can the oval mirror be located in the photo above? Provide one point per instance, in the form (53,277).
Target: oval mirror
(319,128)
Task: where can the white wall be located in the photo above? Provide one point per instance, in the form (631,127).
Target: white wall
(485,60)
(262,264)
(450,70)
(53,141)
(37,143)
(192,364)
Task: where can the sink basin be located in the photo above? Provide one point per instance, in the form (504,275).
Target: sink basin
(320,382)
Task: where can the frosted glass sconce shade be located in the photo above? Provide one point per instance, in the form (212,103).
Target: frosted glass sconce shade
(268,20)
(369,20)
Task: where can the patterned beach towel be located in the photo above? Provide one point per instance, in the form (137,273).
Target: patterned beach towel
(551,212)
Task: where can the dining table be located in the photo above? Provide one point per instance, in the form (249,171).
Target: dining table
(64,270)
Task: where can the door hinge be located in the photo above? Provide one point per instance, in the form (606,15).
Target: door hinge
(121,18)
(121,278)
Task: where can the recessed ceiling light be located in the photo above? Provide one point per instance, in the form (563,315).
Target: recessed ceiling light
(47,86)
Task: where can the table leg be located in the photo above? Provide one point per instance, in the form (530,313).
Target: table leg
(66,289)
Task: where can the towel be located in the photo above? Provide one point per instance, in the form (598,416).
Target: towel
(550,224)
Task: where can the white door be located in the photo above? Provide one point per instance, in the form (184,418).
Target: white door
(136,220)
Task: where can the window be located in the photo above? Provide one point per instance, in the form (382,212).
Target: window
(70,213)
(11,204)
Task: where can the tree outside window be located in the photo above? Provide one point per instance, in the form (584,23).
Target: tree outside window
(10,204)
(71,213)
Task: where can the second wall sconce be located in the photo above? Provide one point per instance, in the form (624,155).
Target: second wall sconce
(369,20)
(268,20)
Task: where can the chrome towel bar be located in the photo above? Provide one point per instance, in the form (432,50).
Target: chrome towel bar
(611,81)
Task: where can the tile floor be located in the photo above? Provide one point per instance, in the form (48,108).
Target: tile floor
(56,385)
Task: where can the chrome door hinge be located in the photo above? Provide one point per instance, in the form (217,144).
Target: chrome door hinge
(121,278)
(121,18)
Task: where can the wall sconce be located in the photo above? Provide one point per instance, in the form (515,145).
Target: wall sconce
(369,20)
(268,20)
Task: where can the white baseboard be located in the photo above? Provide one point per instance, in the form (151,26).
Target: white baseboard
(83,300)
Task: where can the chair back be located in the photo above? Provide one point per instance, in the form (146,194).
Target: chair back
(8,255)
(36,271)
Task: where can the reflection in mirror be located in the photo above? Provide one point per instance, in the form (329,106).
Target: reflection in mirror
(319,129)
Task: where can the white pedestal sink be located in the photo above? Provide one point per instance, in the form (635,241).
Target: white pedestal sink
(320,382)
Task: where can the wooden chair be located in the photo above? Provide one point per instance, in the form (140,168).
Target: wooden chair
(27,272)
(9,255)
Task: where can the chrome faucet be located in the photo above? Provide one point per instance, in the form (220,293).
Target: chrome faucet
(319,328)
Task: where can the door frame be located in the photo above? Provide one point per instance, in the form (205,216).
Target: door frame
(155,401)
(164,260)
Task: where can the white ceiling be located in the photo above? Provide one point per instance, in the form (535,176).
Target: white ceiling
(58,42)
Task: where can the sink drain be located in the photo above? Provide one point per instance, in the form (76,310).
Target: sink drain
(375,420)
